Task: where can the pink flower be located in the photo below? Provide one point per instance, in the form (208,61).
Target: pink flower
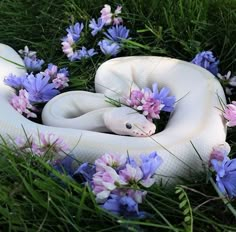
(61,81)
(144,101)
(151,108)
(230,114)
(131,173)
(108,17)
(106,14)
(110,160)
(49,142)
(22,105)
(67,45)
(104,182)
(220,152)
(135,99)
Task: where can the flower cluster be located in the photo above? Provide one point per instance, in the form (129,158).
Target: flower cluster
(230,114)
(117,181)
(110,45)
(41,143)
(207,60)
(225,169)
(32,89)
(32,63)
(151,102)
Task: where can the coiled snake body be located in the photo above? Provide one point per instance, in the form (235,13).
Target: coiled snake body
(196,120)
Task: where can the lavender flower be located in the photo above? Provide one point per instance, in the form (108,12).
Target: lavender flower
(84,53)
(85,170)
(162,96)
(117,33)
(33,64)
(225,175)
(64,165)
(207,60)
(39,88)
(96,26)
(109,48)
(75,30)
(122,205)
(14,81)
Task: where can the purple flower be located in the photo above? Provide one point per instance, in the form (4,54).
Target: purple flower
(64,165)
(14,81)
(33,64)
(150,163)
(207,60)
(84,53)
(109,48)
(226,175)
(39,89)
(75,30)
(122,205)
(167,101)
(117,33)
(96,26)
(85,170)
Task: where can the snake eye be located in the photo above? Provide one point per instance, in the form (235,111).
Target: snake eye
(128,125)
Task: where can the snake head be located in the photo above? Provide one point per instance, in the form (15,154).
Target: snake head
(127,121)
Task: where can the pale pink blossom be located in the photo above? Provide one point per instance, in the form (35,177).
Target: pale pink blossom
(219,152)
(67,45)
(48,142)
(111,160)
(131,173)
(230,114)
(106,14)
(108,17)
(104,182)
(61,81)
(22,105)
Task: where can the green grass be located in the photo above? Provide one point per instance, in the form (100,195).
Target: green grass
(30,200)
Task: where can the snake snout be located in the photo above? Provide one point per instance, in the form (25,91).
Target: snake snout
(145,130)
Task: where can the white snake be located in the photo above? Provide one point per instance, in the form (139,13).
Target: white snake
(196,120)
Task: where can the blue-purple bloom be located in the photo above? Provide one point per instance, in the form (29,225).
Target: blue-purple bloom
(162,95)
(39,88)
(117,33)
(122,205)
(32,64)
(225,175)
(64,166)
(150,164)
(84,53)
(207,60)
(14,81)
(85,170)
(109,48)
(75,30)
(96,26)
